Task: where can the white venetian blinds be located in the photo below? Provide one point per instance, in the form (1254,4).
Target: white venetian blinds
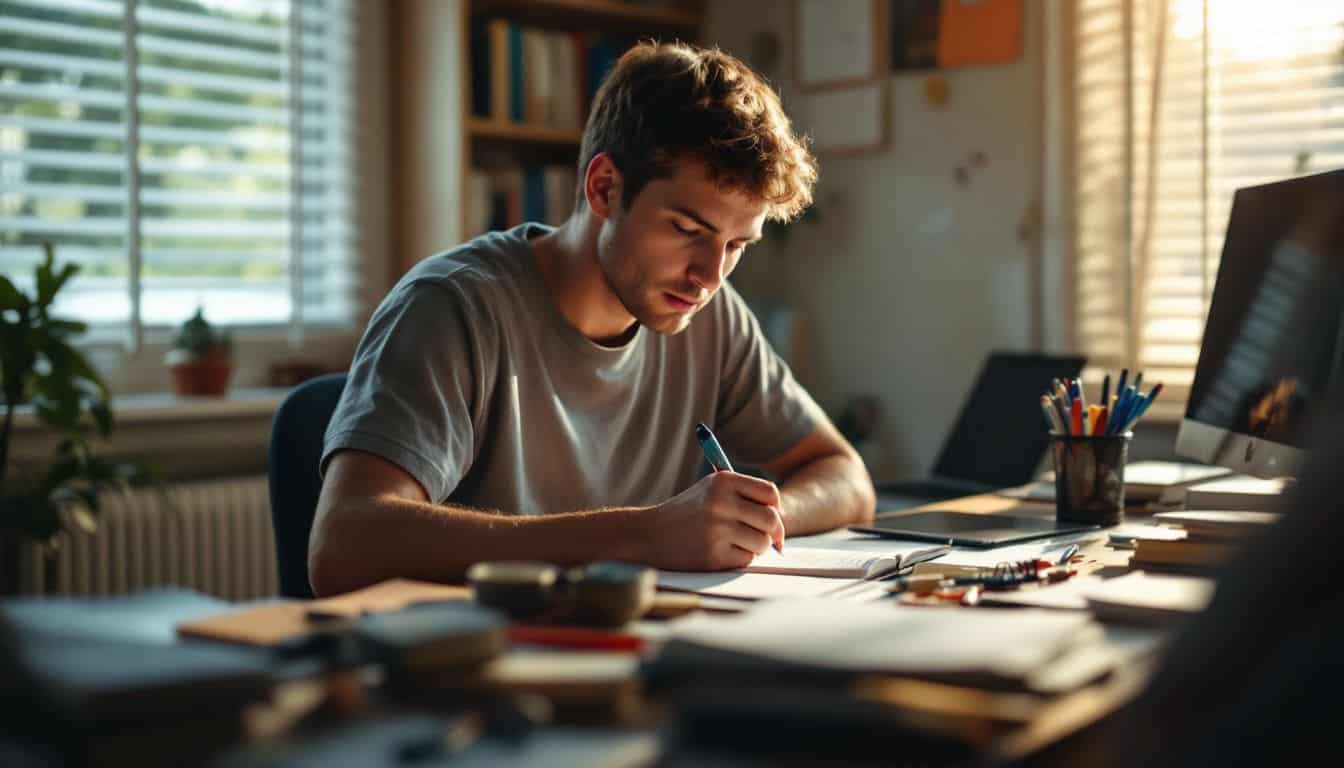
(1177,104)
(185,152)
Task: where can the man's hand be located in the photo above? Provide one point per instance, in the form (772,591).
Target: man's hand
(721,522)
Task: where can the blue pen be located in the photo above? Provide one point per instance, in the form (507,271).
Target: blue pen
(718,459)
(713,451)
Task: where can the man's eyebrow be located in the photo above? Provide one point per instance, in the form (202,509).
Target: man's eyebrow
(698,219)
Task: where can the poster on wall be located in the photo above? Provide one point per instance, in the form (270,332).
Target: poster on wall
(979,32)
(937,34)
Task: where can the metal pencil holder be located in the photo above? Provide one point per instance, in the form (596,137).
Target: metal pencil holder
(1090,477)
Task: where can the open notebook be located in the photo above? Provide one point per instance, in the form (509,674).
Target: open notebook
(840,563)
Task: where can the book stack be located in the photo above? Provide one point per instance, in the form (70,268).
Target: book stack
(1211,538)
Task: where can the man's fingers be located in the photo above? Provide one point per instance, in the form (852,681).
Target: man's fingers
(755,489)
(751,539)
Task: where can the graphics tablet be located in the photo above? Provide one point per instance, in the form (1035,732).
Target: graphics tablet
(969,530)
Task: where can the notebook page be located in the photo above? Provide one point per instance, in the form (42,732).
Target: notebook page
(809,561)
(756,586)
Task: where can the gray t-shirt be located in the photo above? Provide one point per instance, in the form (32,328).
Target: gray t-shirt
(470,379)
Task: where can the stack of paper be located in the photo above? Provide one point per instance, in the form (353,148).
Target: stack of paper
(953,646)
(1141,598)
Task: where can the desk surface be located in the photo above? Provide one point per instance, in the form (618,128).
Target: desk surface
(1050,724)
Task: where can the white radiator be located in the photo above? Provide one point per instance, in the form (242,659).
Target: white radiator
(211,536)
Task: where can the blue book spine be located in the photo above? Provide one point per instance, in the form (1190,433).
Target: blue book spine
(481,76)
(601,58)
(515,73)
(534,194)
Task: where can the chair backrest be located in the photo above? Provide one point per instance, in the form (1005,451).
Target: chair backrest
(295,450)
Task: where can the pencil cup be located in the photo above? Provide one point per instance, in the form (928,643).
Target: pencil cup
(1090,477)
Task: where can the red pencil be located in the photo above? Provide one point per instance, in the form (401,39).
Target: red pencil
(575,637)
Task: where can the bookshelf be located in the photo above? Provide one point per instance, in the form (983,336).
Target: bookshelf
(529,70)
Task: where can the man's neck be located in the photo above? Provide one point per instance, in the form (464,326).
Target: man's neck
(568,262)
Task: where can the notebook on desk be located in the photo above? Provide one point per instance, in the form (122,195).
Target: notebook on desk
(839,563)
(990,447)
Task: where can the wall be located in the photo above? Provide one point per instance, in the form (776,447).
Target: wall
(427,107)
(908,279)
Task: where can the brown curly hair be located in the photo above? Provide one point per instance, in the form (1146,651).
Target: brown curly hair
(663,102)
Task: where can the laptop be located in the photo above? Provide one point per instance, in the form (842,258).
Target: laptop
(999,437)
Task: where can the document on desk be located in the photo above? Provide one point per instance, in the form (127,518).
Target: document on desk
(834,568)
(757,586)
(891,639)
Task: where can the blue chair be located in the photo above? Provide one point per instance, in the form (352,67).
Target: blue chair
(295,450)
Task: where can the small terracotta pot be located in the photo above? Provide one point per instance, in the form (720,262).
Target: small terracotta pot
(206,376)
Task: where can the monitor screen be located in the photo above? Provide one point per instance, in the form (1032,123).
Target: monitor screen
(1272,342)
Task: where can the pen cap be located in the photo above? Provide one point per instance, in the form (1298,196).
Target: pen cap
(1090,477)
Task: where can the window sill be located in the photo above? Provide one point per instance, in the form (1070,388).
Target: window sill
(182,437)
(158,407)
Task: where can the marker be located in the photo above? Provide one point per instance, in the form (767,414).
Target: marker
(719,460)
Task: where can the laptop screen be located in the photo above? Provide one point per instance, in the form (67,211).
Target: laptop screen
(999,436)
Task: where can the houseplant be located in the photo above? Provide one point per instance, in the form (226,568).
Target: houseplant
(39,367)
(201,358)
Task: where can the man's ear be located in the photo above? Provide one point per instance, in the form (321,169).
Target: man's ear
(602,185)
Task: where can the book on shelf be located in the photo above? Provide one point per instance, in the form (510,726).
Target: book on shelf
(502,198)
(533,76)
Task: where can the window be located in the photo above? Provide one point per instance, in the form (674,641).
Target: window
(1176,104)
(185,153)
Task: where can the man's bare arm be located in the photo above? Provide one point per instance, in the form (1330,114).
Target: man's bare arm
(375,522)
(824,484)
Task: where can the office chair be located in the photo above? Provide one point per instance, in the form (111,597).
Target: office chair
(295,450)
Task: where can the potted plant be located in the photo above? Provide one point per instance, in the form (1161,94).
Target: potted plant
(201,358)
(40,368)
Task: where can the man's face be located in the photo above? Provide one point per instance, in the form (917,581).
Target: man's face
(668,254)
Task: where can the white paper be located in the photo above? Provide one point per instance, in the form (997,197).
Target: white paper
(883,637)
(818,561)
(755,586)
(835,41)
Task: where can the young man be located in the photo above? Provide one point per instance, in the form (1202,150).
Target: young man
(533,394)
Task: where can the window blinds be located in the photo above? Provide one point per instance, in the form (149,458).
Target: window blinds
(1177,104)
(185,152)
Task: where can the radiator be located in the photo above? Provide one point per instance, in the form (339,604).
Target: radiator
(212,536)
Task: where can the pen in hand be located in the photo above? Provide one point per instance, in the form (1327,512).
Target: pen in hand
(719,460)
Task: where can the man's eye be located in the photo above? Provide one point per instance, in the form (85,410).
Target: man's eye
(684,230)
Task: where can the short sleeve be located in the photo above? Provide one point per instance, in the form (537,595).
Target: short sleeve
(417,385)
(762,410)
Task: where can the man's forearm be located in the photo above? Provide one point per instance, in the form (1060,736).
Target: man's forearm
(827,493)
(365,543)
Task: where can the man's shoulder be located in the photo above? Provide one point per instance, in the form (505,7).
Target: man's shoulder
(486,263)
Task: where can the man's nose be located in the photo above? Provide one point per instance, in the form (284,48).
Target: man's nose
(710,267)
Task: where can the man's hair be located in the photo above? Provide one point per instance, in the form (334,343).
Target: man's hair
(665,102)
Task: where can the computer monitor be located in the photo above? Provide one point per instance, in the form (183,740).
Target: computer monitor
(1272,345)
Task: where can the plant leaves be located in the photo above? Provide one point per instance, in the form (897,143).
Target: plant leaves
(11,297)
(62,277)
(72,363)
(102,416)
(46,279)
